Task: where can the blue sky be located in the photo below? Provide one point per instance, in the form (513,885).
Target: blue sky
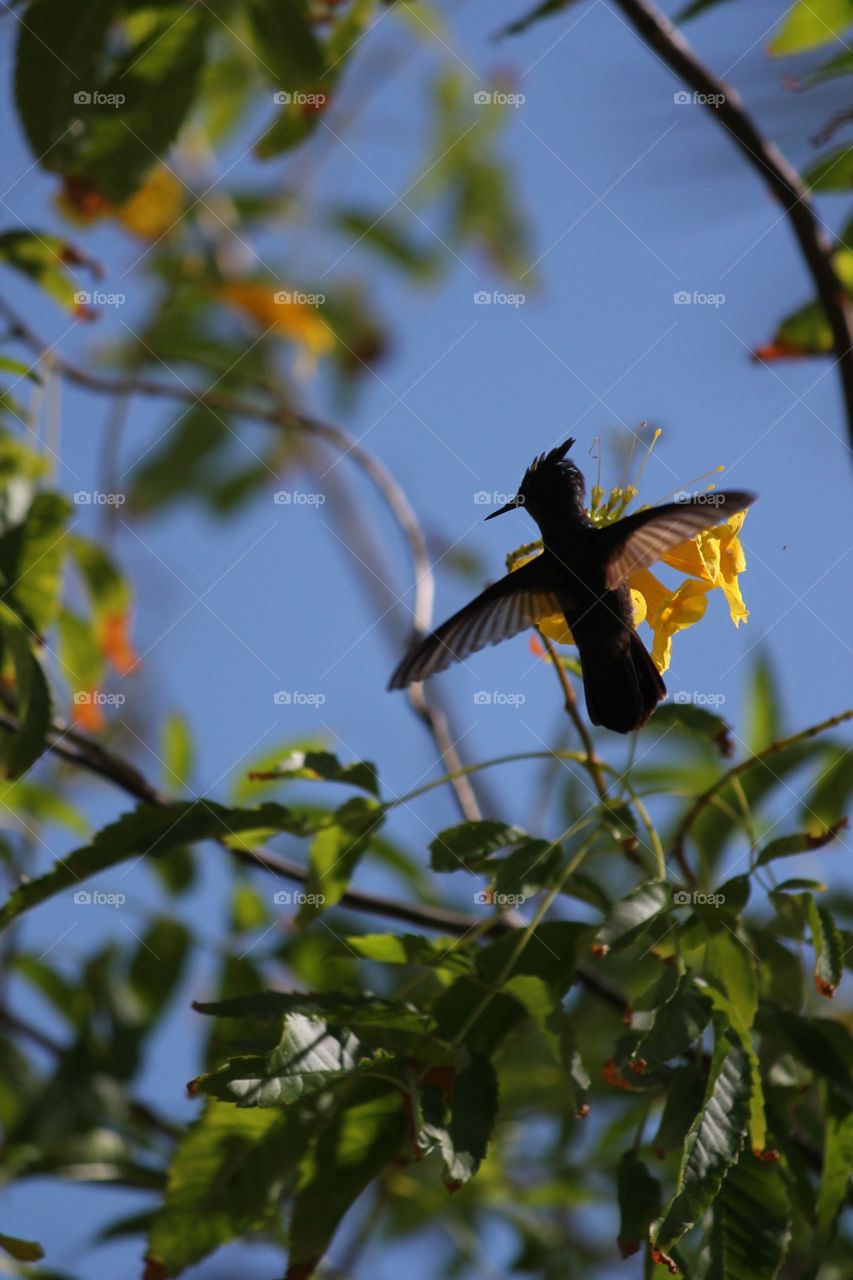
(632,198)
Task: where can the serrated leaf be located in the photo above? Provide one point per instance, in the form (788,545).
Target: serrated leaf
(225,1179)
(152,831)
(684,1100)
(678,1024)
(335,853)
(529,868)
(630,917)
(307,1059)
(410,948)
(713,1145)
(697,721)
(829,948)
(463,1136)
(468,845)
(323,766)
(752,1222)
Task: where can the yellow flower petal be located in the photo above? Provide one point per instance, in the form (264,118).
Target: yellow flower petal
(682,608)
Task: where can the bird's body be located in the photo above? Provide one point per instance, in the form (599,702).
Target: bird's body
(582,573)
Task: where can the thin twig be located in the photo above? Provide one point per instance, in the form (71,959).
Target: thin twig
(726,106)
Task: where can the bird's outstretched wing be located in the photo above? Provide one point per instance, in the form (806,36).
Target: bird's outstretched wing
(509,606)
(641,539)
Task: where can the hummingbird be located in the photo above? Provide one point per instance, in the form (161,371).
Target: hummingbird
(582,573)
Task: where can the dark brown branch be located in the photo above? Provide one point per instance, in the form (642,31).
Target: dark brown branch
(726,106)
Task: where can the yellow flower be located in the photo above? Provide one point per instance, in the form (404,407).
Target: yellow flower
(717,557)
(670,611)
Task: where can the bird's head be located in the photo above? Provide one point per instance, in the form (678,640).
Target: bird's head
(549,483)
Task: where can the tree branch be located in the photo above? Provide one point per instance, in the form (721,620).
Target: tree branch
(770,165)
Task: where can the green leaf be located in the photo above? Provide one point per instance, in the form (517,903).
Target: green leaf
(639,1203)
(152,831)
(811,23)
(21,1250)
(177,753)
(22,748)
(678,1024)
(739,1012)
(391,240)
(752,1222)
(103,110)
(322,766)
(832,172)
(825,1046)
(801,842)
(713,1145)
(693,10)
(463,1137)
(307,1058)
(158,965)
(829,949)
(44,259)
(31,559)
(683,1102)
(731,966)
(698,722)
(543,10)
(335,853)
(285,45)
(225,1179)
(410,948)
(764,712)
(468,845)
(837,1168)
(529,868)
(630,917)
(354,1146)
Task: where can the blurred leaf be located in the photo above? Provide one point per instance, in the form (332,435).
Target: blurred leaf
(811,23)
(543,10)
(684,1100)
(802,842)
(713,1145)
(639,1203)
(391,241)
(31,558)
(335,853)
(832,172)
(831,792)
(152,831)
(157,966)
(698,721)
(249,910)
(134,95)
(22,748)
(693,10)
(837,1168)
(284,43)
(408,948)
(752,1222)
(322,766)
(764,714)
(534,865)
(181,463)
(355,1144)
(45,260)
(468,845)
(177,752)
(21,1250)
(225,1179)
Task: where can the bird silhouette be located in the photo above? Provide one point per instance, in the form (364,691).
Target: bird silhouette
(583,574)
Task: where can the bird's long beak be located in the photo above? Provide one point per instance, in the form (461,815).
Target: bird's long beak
(508,506)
